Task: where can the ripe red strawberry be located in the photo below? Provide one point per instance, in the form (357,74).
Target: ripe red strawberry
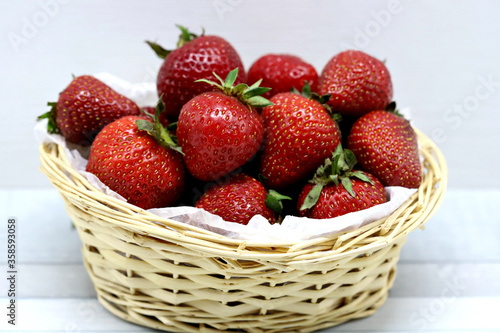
(282,72)
(196,57)
(238,199)
(85,107)
(386,145)
(147,171)
(337,189)
(358,83)
(219,131)
(299,135)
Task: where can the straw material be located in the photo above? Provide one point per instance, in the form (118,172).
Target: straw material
(171,276)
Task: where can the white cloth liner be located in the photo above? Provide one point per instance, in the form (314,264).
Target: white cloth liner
(292,229)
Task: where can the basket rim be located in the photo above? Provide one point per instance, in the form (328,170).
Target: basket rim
(412,214)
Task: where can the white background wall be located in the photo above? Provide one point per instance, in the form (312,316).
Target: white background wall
(443,57)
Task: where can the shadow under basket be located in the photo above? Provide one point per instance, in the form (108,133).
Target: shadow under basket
(175,277)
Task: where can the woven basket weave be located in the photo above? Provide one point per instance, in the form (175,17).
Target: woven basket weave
(181,278)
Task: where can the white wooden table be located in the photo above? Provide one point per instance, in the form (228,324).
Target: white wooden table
(448,276)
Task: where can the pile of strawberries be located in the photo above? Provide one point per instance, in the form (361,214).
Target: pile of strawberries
(239,143)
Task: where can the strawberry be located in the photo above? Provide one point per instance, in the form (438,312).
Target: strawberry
(338,189)
(238,199)
(357,82)
(299,135)
(386,145)
(195,58)
(138,159)
(85,107)
(219,131)
(282,72)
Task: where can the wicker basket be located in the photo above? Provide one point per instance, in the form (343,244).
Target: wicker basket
(181,278)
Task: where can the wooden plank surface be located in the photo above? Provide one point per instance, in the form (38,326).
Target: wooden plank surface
(407,314)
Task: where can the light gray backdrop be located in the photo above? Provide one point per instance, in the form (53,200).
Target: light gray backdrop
(443,56)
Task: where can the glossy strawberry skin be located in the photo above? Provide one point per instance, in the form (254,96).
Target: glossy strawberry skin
(335,201)
(282,72)
(299,136)
(386,145)
(358,83)
(237,199)
(218,134)
(131,163)
(86,106)
(195,60)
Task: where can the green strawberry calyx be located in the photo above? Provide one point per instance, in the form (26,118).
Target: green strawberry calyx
(323,99)
(52,127)
(338,170)
(274,201)
(250,95)
(157,130)
(308,93)
(185,37)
